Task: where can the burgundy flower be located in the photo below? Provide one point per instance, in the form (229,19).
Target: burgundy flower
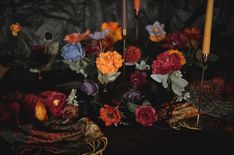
(133,96)
(138,78)
(133,54)
(166,63)
(55,101)
(193,34)
(146,115)
(92,49)
(177,40)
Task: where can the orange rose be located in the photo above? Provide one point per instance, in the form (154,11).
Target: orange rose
(109,62)
(15,28)
(110,115)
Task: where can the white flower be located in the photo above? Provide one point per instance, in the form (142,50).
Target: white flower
(142,66)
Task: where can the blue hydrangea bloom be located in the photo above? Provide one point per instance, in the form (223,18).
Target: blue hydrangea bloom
(73,52)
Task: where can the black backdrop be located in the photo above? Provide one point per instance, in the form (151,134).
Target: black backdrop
(65,16)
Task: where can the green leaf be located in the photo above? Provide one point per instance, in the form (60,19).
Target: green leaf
(132,107)
(146,102)
(198,54)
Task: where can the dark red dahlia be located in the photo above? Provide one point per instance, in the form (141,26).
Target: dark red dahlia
(166,63)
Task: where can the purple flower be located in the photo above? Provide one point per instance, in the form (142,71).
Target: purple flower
(73,52)
(99,35)
(156,29)
(89,87)
(132,96)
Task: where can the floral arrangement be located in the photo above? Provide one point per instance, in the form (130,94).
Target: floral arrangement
(99,51)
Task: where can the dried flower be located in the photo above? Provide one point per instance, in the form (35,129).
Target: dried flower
(193,34)
(156,31)
(109,62)
(76,37)
(110,115)
(168,62)
(177,40)
(55,101)
(89,87)
(15,29)
(70,112)
(133,54)
(114,34)
(138,78)
(99,35)
(133,96)
(146,115)
(73,52)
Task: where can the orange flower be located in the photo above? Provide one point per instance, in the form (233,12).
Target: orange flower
(76,37)
(156,38)
(114,33)
(110,115)
(180,54)
(15,28)
(40,111)
(109,62)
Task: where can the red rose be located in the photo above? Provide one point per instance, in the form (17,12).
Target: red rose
(55,101)
(146,115)
(133,54)
(138,78)
(110,115)
(166,63)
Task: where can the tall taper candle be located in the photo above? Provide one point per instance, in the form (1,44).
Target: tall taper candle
(137,5)
(124,18)
(208,27)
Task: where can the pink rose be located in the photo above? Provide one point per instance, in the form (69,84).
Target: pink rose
(146,115)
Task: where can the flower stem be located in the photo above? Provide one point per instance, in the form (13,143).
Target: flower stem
(100,44)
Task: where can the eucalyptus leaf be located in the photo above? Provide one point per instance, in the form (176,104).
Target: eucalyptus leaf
(198,55)
(132,107)
(107,78)
(177,89)
(146,102)
(129,64)
(161,79)
(78,66)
